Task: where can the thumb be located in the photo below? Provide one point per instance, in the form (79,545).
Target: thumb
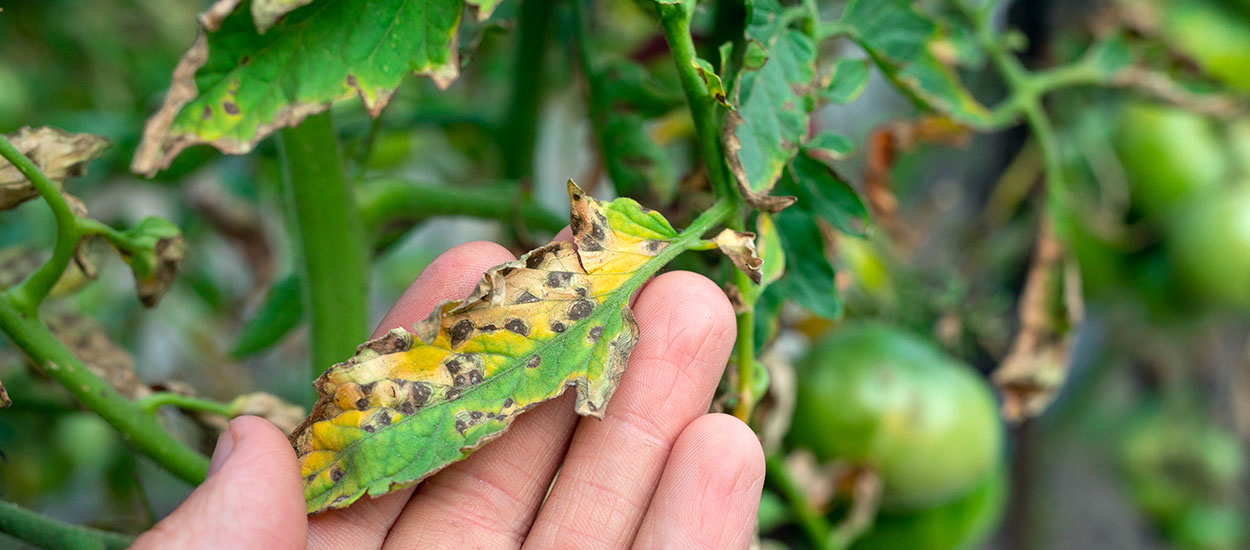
(252,498)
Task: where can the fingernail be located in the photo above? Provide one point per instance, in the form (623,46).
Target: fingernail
(225,445)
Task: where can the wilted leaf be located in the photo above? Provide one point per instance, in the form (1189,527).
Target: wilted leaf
(712,80)
(156,252)
(740,247)
(774,102)
(1035,369)
(415,400)
(235,86)
(284,415)
(850,77)
(57,153)
(104,358)
(901,41)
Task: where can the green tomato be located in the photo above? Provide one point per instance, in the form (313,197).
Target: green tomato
(1216,37)
(959,524)
(1169,155)
(1208,243)
(925,422)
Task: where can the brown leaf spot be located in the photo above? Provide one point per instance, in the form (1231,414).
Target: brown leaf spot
(351,80)
(475,377)
(576,223)
(453,394)
(461,426)
(508,402)
(461,332)
(559,279)
(337,473)
(581,309)
(230,108)
(362,403)
(518,326)
(459,381)
(654,246)
(535,258)
(477,415)
(595,333)
(533,362)
(453,366)
(526,297)
(557,327)
(207,113)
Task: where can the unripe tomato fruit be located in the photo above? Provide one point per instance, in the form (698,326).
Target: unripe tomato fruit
(874,396)
(1169,155)
(1208,242)
(960,523)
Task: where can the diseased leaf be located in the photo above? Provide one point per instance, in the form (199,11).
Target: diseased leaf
(103,357)
(267,12)
(740,247)
(154,259)
(419,398)
(57,153)
(711,80)
(773,101)
(850,77)
(235,86)
(902,43)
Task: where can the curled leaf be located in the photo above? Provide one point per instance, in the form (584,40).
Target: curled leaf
(154,252)
(1036,367)
(103,357)
(419,398)
(740,247)
(712,80)
(57,153)
(284,415)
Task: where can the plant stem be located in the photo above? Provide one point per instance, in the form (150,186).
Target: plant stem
(675,21)
(28,294)
(813,523)
(384,200)
(151,403)
(521,122)
(332,245)
(45,532)
(745,348)
(138,428)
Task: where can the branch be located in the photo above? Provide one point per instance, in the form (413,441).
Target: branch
(150,403)
(332,243)
(45,532)
(138,428)
(28,294)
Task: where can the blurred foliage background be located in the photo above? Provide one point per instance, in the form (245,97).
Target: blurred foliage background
(1145,446)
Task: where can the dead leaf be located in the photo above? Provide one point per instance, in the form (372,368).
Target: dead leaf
(105,359)
(57,153)
(284,415)
(1036,366)
(740,247)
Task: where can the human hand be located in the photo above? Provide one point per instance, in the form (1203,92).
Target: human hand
(656,472)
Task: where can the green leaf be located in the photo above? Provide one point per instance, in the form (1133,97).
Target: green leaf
(236,86)
(712,80)
(620,95)
(282,310)
(773,104)
(809,278)
(1110,56)
(413,401)
(850,77)
(154,250)
(902,42)
(824,193)
(829,145)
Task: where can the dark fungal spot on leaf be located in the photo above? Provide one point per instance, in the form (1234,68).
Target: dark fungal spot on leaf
(362,403)
(588,245)
(407,407)
(518,326)
(461,332)
(557,327)
(244,61)
(230,108)
(461,426)
(337,473)
(351,80)
(654,246)
(477,415)
(580,309)
(597,231)
(383,419)
(391,342)
(508,402)
(581,292)
(488,328)
(453,394)
(369,428)
(576,223)
(595,333)
(506,271)
(459,381)
(207,114)
(368,388)
(453,366)
(526,297)
(535,258)
(533,362)
(559,279)
(475,377)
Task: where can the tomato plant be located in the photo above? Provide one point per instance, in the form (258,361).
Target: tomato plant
(966,243)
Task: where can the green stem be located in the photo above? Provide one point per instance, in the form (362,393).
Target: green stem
(332,245)
(138,428)
(811,521)
(745,348)
(45,532)
(151,403)
(519,129)
(383,201)
(675,21)
(28,294)
(88,226)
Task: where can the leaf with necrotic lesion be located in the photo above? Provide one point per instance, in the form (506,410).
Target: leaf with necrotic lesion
(417,399)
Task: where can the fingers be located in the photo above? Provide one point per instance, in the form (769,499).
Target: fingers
(452,275)
(710,490)
(614,464)
(253,497)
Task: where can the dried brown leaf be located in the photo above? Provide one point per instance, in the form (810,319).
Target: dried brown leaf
(57,153)
(104,358)
(740,247)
